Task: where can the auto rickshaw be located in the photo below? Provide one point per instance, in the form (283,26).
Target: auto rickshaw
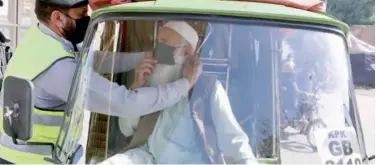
(282,66)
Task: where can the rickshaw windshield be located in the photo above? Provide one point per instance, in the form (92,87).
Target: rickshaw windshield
(260,95)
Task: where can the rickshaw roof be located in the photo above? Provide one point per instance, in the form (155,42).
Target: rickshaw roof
(226,8)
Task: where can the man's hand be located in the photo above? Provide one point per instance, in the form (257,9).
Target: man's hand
(143,70)
(192,69)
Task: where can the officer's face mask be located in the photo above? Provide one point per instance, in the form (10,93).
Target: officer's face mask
(75,32)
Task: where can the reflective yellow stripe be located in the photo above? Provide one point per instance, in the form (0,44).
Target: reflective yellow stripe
(49,113)
(28,154)
(43,132)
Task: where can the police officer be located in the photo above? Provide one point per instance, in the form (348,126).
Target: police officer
(45,56)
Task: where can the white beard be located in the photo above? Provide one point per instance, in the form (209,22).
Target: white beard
(167,73)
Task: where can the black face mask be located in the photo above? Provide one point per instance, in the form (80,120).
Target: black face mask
(77,35)
(164,54)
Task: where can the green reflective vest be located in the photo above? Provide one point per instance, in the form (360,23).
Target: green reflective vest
(35,54)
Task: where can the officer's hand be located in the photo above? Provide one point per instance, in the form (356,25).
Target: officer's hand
(143,70)
(192,68)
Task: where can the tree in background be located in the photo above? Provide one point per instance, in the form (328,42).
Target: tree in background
(353,12)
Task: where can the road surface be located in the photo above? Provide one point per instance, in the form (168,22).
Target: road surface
(296,150)
(366,104)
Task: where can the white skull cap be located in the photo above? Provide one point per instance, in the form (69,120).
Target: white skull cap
(184,30)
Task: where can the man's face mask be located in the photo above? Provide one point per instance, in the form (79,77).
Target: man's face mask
(76,34)
(170,63)
(164,54)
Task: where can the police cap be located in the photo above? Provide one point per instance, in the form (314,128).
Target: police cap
(66,3)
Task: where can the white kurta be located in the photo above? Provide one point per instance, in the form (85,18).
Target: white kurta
(174,141)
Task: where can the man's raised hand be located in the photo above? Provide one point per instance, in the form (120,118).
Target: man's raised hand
(143,71)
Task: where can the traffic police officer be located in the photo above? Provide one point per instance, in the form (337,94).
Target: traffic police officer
(46,57)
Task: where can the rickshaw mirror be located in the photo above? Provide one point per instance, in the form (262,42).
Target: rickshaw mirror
(18,108)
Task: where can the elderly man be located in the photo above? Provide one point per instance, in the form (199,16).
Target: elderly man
(178,134)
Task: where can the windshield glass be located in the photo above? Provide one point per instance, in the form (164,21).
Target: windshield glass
(265,92)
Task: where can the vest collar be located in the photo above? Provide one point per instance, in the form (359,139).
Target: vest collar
(68,46)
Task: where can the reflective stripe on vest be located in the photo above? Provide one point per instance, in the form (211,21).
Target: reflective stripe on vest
(35,54)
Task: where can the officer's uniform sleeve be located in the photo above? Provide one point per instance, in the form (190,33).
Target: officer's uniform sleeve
(57,79)
(116,62)
(110,98)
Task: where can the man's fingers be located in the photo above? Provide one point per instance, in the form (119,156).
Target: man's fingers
(196,61)
(188,55)
(146,76)
(188,50)
(147,66)
(146,63)
(148,55)
(150,61)
(146,71)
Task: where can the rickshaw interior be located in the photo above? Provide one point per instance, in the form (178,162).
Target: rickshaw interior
(255,63)
(222,59)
